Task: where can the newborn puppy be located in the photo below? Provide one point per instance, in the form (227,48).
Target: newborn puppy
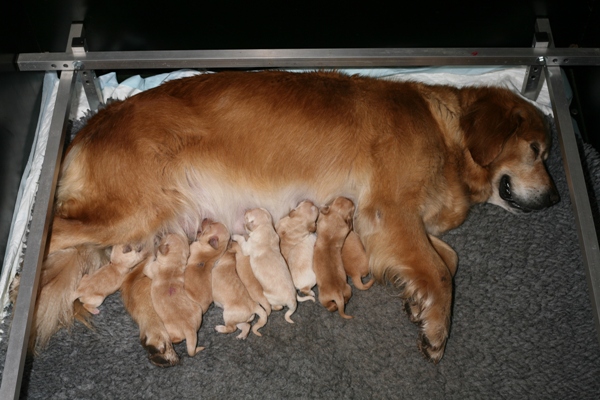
(297,234)
(356,263)
(268,265)
(154,337)
(244,271)
(95,287)
(209,246)
(230,294)
(178,312)
(334,225)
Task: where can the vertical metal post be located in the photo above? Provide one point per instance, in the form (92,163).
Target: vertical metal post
(584,218)
(36,242)
(87,78)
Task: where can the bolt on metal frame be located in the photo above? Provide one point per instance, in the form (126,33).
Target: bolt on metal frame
(77,66)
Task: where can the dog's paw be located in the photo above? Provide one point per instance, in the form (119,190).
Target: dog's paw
(431,352)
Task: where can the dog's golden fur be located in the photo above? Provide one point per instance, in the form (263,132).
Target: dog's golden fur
(412,157)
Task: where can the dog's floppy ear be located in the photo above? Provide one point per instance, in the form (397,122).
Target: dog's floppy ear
(487,126)
(324,210)
(214,242)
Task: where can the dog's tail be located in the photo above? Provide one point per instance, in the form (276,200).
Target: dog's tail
(60,276)
(262,319)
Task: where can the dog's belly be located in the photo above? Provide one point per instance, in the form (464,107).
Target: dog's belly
(226,201)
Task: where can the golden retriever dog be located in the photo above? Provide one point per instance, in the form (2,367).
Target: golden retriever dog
(244,271)
(356,262)
(95,287)
(412,157)
(268,265)
(230,294)
(297,242)
(181,316)
(137,299)
(334,225)
(209,246)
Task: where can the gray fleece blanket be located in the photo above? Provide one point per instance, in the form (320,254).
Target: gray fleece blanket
(522,327)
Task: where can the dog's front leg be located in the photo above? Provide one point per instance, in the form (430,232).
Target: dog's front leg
(400,252)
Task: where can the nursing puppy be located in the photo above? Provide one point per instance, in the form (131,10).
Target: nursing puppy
(412,157)
(230,294)
(244,271)
(209,246)
(356,262)
(180,315)
(297,234)
(95,287)
(334,225)
(268,265)
(137,299)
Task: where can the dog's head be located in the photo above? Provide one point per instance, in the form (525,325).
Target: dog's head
(509,137)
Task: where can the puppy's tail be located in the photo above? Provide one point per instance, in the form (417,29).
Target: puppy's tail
(291,309)
(358,283)
(60,276)
(262,320)
(338,304)
(305,298)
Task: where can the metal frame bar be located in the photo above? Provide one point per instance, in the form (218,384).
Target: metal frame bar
(308,58)
(550,59)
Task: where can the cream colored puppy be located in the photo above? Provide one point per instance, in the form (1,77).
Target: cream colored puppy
(95,287)
(178,312)
(209,246)
(230,294)
(298,237)
(356,262)
(268,265)
(335,223)
(244,271)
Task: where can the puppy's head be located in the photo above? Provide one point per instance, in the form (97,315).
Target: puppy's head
(213,240)
(257,217)
(307,213)
(341,209)
(509,137)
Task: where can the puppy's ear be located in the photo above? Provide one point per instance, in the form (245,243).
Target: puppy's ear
(163,249)
(127,249)
(325,210)
(214,242)
(487,126)
(350,222)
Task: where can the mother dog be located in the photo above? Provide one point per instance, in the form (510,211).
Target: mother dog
(412,157)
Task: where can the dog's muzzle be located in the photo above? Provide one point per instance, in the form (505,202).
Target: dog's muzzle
(544,200)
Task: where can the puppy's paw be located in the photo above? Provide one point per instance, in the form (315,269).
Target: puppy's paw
(91,308)
(163,356)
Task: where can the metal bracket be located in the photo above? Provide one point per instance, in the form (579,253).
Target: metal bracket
(86,78)
(534,79)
